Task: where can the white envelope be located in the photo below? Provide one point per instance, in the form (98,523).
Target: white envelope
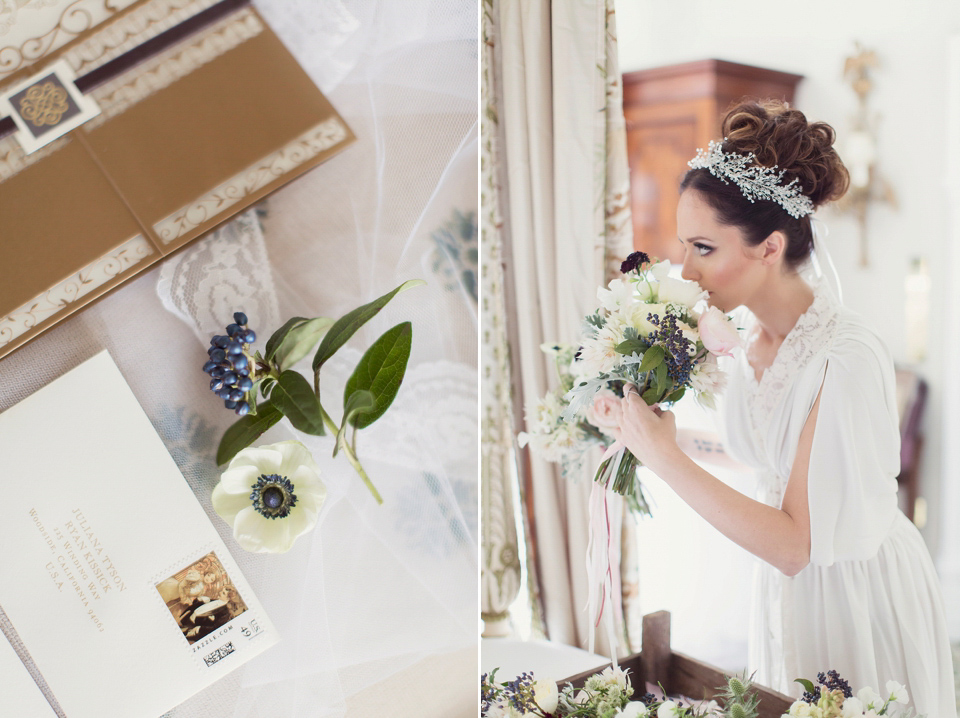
(19,693)
(118,585)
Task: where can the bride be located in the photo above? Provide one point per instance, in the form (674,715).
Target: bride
(846,582)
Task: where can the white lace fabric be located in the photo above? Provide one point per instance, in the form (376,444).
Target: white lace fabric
(810,336)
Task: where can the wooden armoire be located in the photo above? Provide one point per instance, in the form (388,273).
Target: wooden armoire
(670,112)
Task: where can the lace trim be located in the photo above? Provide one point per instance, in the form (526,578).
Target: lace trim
(814,330)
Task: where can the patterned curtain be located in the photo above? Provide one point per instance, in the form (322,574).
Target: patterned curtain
(560,183)
(500,575)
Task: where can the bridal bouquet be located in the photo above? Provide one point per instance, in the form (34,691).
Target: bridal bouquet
(647,333)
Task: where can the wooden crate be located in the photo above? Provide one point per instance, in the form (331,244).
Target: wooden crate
(680,674)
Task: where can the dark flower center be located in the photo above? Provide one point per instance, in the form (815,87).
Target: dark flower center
(273,496)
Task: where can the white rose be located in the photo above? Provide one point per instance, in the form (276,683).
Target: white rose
(799,709)
(546,695)
(680,291)
(668,709)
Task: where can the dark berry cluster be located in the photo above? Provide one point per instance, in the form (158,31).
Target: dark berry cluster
(633,261)
(670,337)
(230,366)
(648,699)
(830,680)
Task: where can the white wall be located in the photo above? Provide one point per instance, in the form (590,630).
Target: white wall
(912,94)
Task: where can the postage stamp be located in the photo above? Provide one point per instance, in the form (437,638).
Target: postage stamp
(209,609)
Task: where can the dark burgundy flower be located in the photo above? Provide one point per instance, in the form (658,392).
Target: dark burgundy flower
(633,261)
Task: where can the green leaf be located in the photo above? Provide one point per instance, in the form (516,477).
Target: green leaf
(660,377)
(347,325)
(380,372)
(247,430)
(651,358)
(650,396)
(631,347)
(294,396)
(265,385)
(300,341)
(807,685)
(678,394)
(273,343)
(359,402)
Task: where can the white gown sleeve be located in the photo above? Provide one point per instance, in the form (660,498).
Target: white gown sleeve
(855,456)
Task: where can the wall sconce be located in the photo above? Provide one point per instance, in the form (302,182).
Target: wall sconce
(858,148)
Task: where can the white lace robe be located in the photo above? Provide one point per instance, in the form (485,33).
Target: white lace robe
(869,604)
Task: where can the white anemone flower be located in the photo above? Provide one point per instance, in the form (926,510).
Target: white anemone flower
(271,495)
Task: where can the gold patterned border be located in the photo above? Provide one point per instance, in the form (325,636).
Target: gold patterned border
(76,18)
(58,298)
(327,134)
(132,30)
(166,68)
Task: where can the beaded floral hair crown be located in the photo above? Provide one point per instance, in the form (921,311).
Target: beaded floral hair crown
(754,180)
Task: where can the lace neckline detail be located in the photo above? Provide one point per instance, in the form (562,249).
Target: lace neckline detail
(814,330)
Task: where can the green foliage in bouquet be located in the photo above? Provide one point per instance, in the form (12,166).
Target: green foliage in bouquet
(285,392)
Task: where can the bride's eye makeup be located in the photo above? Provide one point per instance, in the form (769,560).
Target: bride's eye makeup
(702,249)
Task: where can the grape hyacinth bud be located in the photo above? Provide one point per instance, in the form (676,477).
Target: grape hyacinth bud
(230,365)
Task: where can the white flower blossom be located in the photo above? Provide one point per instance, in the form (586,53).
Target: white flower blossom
(897,692)
(799,709)
(619,294)
(598,354)
(708,377)
(634,709)
(680,291)
(550,436)
(546,694)
(614,676)
(869,697)
(852,708)
(660,270)
(271,495)
(668,709)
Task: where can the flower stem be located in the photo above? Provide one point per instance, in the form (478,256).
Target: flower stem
(351,454)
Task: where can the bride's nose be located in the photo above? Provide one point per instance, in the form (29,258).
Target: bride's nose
(687,271)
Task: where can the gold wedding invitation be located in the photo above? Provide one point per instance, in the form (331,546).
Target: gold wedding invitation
(131,128)
(113,577)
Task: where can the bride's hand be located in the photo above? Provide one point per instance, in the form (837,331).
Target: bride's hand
(650,433)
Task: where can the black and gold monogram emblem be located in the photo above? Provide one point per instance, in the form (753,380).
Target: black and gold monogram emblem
(44,104)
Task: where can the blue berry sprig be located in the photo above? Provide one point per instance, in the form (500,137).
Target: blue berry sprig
(231,368)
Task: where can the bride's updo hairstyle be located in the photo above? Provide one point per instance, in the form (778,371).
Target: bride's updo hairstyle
(776,135)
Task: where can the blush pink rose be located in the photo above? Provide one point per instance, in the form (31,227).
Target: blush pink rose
(605,411)
(718,333)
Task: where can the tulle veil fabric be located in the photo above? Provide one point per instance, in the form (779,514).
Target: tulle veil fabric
(375,591)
